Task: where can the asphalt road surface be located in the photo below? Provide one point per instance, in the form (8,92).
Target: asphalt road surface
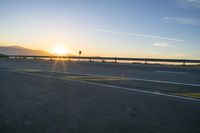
(81,97)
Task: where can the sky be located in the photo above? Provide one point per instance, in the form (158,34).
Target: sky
(120,28)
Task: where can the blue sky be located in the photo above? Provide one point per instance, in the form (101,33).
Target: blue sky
(128,28)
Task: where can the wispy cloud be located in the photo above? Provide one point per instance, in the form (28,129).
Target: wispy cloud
(182,21)
(163,44)
(137,35)
(190,3)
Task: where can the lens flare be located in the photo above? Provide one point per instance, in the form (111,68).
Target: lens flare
(59,50)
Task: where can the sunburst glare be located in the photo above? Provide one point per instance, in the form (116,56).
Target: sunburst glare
(59,50)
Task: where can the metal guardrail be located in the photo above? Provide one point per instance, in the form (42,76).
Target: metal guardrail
(115,59)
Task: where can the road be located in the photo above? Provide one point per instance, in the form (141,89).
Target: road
(78,97)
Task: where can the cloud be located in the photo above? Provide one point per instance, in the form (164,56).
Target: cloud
(161,45)
(190,3)
(137,35)
(185,21)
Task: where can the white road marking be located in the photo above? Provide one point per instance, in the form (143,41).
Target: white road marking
(166,82)
(141,91)
(172,72)
(136,79)
(113,86)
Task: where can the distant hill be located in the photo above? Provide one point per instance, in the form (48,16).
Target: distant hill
(17,50)
(2,55)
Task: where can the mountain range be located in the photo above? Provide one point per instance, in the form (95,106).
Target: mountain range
(18,50)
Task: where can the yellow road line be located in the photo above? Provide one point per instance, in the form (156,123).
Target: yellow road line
(93,78)
(174,95)
(81,77)
(27,70)
(193,95)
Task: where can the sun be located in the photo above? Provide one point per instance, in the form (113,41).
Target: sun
(59,50)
